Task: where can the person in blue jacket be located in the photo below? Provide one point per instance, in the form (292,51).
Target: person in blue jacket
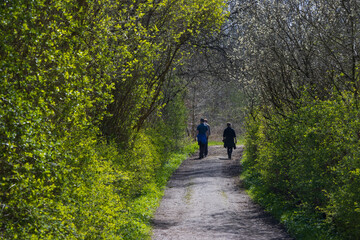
(202,132)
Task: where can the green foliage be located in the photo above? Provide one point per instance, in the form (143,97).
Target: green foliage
(96,192)
(62,63)
(305,166)
(51,99)
(153,38)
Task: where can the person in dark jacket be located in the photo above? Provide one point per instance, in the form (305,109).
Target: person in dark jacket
(229,139)
(202,134)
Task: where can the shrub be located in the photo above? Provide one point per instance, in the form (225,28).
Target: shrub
(308,160)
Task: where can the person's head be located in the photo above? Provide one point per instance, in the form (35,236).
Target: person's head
(205,120)
(202,120)
(228,124)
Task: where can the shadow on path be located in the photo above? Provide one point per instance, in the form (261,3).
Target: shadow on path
(204,200)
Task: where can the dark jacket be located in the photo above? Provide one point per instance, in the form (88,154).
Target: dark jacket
(229,135)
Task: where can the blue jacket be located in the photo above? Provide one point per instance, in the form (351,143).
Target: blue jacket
(201,137)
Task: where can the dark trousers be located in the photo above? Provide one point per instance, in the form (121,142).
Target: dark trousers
(202,149)
(206,149)
(229,151)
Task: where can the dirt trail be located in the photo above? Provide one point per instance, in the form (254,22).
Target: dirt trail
(204,200)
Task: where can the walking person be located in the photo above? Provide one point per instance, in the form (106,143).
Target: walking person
(229,139)
(207,137)
(202,133)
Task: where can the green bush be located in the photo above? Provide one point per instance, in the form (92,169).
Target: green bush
(62,64)
(97,192)
(50,102)
(308,161)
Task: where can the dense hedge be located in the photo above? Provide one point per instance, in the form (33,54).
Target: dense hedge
(81,187)
(305,167)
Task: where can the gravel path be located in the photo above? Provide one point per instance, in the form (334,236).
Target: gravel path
(204,200)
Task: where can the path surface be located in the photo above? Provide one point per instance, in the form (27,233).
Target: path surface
(204,200)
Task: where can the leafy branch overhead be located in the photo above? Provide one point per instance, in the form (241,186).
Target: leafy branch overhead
(157,37)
